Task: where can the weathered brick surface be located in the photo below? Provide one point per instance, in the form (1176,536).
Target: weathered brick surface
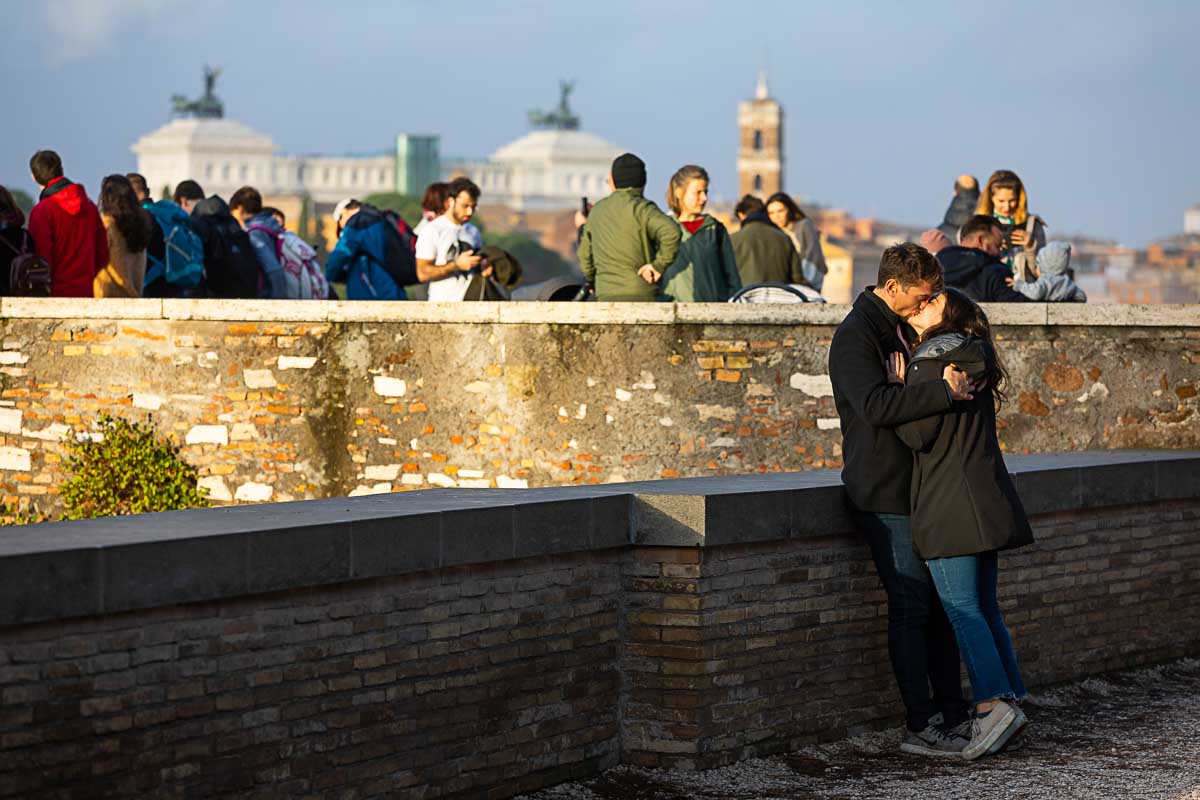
(489,680)
(741,651)
(434,685)
(300,410)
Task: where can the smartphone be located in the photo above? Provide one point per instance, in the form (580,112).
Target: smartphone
(584,206)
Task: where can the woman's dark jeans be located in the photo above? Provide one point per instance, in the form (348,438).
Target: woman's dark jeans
(921,642)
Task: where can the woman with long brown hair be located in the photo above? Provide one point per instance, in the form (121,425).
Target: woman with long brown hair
(791,219)
(1004,197)
(965,508)
(129,229)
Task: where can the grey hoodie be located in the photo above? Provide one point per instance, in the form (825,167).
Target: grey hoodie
(1053,285)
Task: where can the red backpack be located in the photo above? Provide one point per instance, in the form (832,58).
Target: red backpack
(29,273)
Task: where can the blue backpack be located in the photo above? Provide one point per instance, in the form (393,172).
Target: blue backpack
(184,265)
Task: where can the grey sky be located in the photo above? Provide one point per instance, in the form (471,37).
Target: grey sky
(1092,103)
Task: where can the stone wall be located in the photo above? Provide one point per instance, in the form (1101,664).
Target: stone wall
(476,643)
(279,400)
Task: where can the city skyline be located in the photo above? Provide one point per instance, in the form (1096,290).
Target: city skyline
(879,120)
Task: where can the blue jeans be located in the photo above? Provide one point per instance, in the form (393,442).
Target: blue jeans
(967,586)
(920,640)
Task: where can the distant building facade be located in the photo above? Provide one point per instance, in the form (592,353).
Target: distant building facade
(1191,220)
(760,149)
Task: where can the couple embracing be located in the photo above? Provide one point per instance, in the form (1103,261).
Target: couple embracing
(917,380)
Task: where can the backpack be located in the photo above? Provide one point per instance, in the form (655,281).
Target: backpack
(400,244)
(231,268)
(29,273)
(183,267)
(303,276)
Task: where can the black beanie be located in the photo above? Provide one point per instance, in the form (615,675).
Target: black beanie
(629,172)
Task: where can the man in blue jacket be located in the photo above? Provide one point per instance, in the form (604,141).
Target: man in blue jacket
(361,253)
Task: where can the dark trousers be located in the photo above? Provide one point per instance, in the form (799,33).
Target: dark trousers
(920,639)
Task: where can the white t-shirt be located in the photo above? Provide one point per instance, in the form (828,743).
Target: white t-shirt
(440,241)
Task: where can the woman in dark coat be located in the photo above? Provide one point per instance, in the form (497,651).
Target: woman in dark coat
(965,508)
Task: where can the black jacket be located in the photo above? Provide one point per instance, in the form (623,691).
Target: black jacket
(963,499)
(16,241)
(877,467)
(961,208)
(230,266)
(980,276)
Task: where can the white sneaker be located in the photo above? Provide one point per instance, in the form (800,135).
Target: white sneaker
(996,726)
(1013,730)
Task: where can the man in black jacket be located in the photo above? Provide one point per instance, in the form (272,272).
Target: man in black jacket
(878,476)
(975,265)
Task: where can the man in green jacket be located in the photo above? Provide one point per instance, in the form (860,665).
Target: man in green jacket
(764,253)
(627,242)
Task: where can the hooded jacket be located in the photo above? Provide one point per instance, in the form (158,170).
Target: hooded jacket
(358,256)
(878,466)
(625,231)
(69,234)
(963,499)
(230,267)
(1053,284)
(766,254)
(980,276)
(705,271)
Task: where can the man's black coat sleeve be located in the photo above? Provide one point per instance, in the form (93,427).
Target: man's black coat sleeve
(858,373)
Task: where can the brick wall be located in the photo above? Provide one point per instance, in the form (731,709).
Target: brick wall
(747,650)
(484,643)
(335,399)
(501,677)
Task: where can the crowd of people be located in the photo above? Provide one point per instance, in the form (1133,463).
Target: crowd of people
(917,378)
(128,245)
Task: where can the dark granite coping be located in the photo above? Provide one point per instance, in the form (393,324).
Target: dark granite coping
(66,569)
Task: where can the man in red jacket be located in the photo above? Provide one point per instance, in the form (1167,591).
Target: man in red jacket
(66,229)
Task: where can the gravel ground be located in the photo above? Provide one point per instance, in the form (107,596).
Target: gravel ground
(1126,735)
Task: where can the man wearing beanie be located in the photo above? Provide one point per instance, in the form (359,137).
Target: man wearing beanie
(627,241)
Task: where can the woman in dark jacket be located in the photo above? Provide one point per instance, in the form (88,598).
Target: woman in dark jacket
(705,271)
(965,508)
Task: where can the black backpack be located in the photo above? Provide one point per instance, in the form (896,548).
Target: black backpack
(29,273)
(399,259)
(230,266)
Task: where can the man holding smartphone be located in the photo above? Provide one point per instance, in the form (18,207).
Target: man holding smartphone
(448,248)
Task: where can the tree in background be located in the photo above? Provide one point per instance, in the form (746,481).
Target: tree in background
(24,201)
(409,208)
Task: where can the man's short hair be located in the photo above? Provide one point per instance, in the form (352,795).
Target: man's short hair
(980,223)
(248,199)
(275,212)
(138,182)
(460,185)
(188,190)
(909,264)
(45,166)
(750,205)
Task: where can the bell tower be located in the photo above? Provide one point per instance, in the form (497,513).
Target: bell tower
(760,153)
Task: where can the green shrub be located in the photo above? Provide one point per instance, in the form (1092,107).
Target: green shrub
(130,471)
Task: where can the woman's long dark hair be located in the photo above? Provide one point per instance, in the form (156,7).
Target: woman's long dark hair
(118,201)
(795,213)
(963,315)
